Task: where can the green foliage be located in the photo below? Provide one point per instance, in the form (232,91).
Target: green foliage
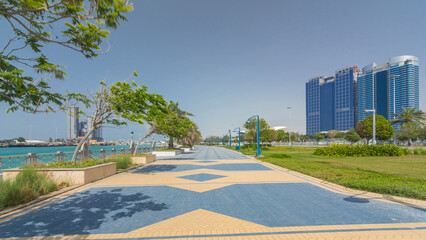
(122,161)
(27,186)
(352,136)
(281,136)
(265,131)
(76,25)
(419,151)
(20,139)
(319,136)
(359,150)
(409,131)
(384,129)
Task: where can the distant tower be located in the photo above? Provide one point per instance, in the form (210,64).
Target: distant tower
(313,105)
(389,87)
(345,98)
(72,123)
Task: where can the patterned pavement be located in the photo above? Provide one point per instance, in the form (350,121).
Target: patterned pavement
(214,193)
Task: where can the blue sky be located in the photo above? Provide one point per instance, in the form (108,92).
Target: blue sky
(226,60)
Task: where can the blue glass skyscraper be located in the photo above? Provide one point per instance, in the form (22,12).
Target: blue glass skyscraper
(389,87)
(345,101)
(339,103)
(313,105)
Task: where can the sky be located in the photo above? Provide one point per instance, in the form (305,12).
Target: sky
(227,60)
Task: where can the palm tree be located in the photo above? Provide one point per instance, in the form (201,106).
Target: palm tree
(408,116)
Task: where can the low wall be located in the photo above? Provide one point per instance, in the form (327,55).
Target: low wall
(143,159)
(167,153)
(71,175)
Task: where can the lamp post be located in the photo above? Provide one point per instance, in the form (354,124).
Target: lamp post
(289,123)
(374,124)
(211,141)
(239,138)
(218,141)
(230,141)
(223,140)
(259,151)
(393,77)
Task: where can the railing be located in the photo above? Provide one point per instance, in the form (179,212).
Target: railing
(7,162)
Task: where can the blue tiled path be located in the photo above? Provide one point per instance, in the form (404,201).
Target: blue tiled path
(220,194)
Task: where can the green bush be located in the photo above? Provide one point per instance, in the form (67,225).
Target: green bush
(123,161)
(345,150)
(419,151)
(27,186)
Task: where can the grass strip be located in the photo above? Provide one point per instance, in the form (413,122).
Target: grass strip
(335,170)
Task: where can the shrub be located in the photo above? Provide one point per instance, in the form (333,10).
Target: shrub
(419,151)
(123,161)
(345,150)
(27,186)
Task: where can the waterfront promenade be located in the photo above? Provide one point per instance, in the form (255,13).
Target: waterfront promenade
(215,193)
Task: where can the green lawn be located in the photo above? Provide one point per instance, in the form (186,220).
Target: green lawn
(401,176)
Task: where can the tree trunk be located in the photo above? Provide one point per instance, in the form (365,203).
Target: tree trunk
(150,132)
(171,143)
(74,156)
(409,142)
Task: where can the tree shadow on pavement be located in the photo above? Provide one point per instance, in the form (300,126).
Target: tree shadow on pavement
(156,168)
(79,214)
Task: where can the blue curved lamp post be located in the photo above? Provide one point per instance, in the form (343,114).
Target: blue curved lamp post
(259,151)
(239,138)
(223,140)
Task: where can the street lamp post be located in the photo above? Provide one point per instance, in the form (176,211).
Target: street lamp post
(259,151)
(239,138)
(230,141)
(218,141)
(223,140)
(374,124)
(394,76)
(289,123)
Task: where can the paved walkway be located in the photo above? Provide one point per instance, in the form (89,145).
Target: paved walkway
(214,193)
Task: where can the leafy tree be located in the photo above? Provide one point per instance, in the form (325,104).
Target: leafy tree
(319,136)
(305,138)
(193,136)
(20,139)
(281,136)
(340,134)
(332,133)
(75,25)
(352,136)
(264,131)
(384,130)
(409,131)
(175,124)
(123,100)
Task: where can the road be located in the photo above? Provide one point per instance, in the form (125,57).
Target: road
(215,193)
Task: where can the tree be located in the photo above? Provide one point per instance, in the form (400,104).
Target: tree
(174,127)
(193,136)
(409,115)
(384,130)
(332,133)
(76,25)
(264,133)
(409,131)
(319,136)
(126,100)
(352,136)
(20,139)
(281,136)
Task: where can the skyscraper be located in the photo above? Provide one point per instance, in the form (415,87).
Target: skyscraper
(313,105)
(389,87)
(320,103)
(345,100)
(72,123)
